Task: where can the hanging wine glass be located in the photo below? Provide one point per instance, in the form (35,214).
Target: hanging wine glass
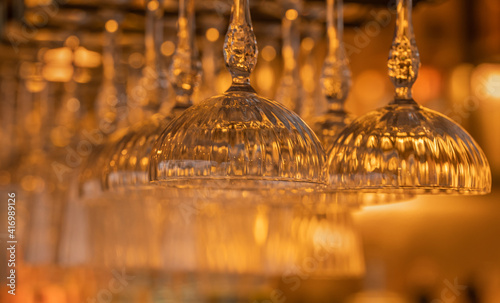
(230,153)
(320,231)
(335,79)
(405,147)
(149,94)
(111,111)
(125,174)
(238,138)
(290,92)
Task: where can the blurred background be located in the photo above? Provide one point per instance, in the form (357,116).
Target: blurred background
(55,56)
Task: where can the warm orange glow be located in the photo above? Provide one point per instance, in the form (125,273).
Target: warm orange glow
(87,58)
(32,183)
(223,82)
(35,86)
(307,44)
(59,56)
(33,3)
(260,228)
(212,34)
(307,77)
(268,53)
(486,81)
(369,88)
(428,85)
(4,177)
(153,5)
(72,42)
(57,73)
(136,60)
(265,78)
(291,14)
(111,26)
(73,104)
(167,48)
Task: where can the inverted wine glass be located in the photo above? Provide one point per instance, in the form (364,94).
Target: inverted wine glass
(128,196)
(335,79)
(404,147)
(238,139)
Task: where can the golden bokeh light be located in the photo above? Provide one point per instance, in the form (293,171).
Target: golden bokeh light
(111,26)
(291,14)
(153,5)
(307,44)
(268,53)
(136,60)
(168,48)
(212,34)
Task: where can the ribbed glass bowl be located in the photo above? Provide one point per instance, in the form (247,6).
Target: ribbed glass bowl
(239,137)
(407,148)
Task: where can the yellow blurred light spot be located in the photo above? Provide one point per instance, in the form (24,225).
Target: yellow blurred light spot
(35,86)
(307,76)
(265,78)
(72,42)
(153,5)
(60,56)
(428,85)
(268,53)
(291,14)
(136,60)
(145,161)
(486,81)
(490,84)
(369,88)
(493,85)
(73,104)
(186,86)
(167,48)
(59,136)
(57,73)
(32,183)
(212,34)
(82,76)
(260,229)
(87,58)
(111,26)
(223,82)
(307,43)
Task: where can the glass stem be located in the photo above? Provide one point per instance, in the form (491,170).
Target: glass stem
(336,76)
(152,71)
(240,46)
(404,59)
(186,66)
(113,104)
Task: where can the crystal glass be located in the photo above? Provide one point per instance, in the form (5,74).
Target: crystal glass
(111,110)
(128,165)
(335,79)
(290,92)
(136,207)
(404,147)
(238,137)
(254,238)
